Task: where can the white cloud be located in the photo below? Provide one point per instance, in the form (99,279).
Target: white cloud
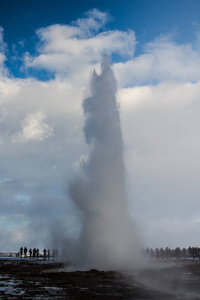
(70,50)
(2,58)
(33,129)
(163,59)
(8,88)
(161,133)
(2,43)
(3,47)
(94,21)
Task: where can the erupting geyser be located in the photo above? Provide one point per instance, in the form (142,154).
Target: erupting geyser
(107,238)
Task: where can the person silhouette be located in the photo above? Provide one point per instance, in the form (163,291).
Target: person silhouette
(34,252)
(21,251)
(25,251)
(45,253)
(30,252)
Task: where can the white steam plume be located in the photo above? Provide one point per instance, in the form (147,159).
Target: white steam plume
(107,237)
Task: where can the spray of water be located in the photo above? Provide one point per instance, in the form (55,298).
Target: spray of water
(107,239)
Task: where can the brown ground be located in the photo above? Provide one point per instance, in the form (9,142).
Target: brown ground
(32,279)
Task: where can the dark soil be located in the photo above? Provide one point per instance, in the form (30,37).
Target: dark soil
(32,279)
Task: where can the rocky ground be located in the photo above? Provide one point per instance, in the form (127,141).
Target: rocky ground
(32,279)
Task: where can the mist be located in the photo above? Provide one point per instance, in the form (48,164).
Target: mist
(107,239)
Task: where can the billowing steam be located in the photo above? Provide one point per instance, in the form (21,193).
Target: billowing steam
(107,239)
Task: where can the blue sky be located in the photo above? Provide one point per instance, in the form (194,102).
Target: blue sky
(48,50)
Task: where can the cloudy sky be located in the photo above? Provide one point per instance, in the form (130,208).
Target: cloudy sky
(48,50)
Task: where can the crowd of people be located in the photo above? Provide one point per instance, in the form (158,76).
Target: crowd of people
(191,252)
(35,253)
